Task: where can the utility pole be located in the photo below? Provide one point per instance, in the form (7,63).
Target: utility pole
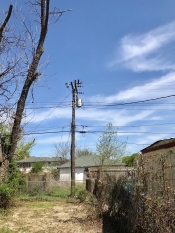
(76,102)
(1,154)
(1,158)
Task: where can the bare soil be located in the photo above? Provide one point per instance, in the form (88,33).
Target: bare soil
(50,217)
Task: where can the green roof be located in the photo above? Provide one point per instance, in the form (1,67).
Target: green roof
(34,159)
(88,161)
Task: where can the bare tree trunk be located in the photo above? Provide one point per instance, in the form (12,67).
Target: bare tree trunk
(33,46)
(31,77)
(3,164)
(5,22)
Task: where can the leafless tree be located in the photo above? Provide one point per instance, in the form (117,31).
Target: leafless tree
(83,151)
(8,63)
(28,43)
(62,149)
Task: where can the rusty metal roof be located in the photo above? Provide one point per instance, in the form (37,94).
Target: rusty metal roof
(161,144)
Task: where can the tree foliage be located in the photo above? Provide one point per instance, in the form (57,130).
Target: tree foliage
(109,148)
(13,183)
(130,160)
(37,167)
(23,148)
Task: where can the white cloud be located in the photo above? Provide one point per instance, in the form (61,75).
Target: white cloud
(50,115)
(123,118)
(117,117)
(158,87)
(142,52)
(151,64)
(52,139)
(151,139)
(153,89)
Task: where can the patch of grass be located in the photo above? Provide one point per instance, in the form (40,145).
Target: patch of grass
(7,230)
(4,212)
(61,192)
(24,229)
(37,198)
(57,194)
(40,204)
(54,193)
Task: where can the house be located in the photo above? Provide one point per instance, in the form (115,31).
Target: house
(159,165)
(83,164)
(25,165)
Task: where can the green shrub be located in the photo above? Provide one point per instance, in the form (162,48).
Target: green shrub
(80,192)
(55,173)
(6,196)
(15,179)
(35,191)
(37,167)
(62,192)
(13,182)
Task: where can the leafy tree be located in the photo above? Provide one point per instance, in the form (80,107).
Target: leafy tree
(23,149)
(5,137)
(130,160)
(37,167)
(13,182)
(109,148)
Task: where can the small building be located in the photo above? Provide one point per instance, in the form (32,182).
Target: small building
(158,163)
(160,147)
(25,165)
(84,165)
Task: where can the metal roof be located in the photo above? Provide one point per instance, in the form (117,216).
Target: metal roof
(33,159)
(88,161)
(161,144)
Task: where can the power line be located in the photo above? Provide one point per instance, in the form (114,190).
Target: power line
(127,126)
(140,101)
(50,113)
(106,104)
(96,131)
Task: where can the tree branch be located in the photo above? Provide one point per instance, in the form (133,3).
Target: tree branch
(5,22)
(31,77)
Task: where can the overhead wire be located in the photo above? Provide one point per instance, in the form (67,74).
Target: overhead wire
(50,113)
(103,103)
(96,131)
(47,129)
(128,126)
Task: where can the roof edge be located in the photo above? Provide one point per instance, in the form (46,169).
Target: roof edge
(164,146)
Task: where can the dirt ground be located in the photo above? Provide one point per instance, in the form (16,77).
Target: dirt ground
(50,217)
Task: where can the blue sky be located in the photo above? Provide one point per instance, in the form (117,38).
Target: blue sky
(123,52)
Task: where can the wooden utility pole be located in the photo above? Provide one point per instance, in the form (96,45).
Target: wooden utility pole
(1,158)
(76,102)
(72,153)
